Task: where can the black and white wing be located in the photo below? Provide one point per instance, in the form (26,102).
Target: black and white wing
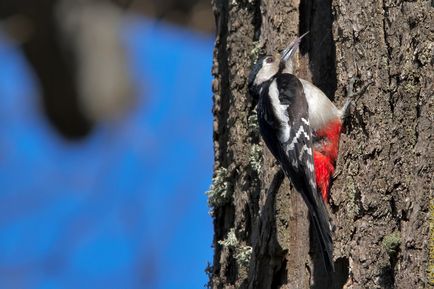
(286,131)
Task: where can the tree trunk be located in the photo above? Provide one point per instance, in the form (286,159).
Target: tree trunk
(381,191)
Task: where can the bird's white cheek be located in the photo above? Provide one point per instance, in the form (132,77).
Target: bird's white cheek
(265,73)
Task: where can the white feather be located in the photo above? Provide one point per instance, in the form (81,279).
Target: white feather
(321,109)
(267,71)
(310,166)
(280,112)
(297,135)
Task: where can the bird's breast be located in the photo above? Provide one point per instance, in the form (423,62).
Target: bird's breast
(321,109)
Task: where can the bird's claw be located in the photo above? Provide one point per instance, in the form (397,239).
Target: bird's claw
(353,95)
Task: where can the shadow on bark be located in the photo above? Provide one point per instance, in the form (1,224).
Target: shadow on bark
(221,135)
(269,264)
(316,17)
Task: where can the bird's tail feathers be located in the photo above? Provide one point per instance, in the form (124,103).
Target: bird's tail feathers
(323,231)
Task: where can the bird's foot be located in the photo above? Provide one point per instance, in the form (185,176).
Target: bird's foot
(353,95)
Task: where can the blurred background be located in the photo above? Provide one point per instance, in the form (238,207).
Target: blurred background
(105,143)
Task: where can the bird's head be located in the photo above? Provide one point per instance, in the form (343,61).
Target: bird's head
(266,67)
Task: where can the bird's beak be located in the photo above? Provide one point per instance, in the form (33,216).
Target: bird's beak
(289,51)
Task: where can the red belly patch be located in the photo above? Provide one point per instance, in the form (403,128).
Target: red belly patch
(325,156)
(324,169)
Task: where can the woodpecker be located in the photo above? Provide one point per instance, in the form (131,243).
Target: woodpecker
(290,111)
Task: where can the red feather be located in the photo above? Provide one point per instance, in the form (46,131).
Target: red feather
(325,156)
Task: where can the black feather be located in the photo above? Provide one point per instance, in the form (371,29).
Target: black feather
(253,90)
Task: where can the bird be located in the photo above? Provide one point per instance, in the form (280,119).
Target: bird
(293,119)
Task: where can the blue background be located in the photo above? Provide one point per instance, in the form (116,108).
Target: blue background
(124,208)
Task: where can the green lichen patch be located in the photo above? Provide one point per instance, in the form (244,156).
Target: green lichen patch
(231,240)
(243,255)
(252,121)
(411,88)
(256,50)
(242,252)
(391,243)
(219,192)
(255,158)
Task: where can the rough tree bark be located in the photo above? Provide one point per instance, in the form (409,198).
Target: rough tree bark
(381,192)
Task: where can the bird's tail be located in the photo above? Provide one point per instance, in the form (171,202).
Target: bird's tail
(319,216)
(322,228)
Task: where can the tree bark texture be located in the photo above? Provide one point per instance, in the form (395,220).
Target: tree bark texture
(382,187)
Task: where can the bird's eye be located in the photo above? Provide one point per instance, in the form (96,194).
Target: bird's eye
(269,59)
